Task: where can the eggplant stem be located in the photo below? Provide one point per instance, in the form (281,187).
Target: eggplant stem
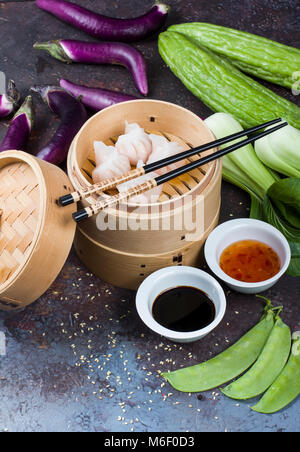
(12,93)
(159,3)
(27,109)
(55,49)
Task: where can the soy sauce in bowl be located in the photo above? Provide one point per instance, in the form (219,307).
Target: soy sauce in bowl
(184,309)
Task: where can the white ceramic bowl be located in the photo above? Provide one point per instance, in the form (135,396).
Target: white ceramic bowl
(246,229)
(169,278)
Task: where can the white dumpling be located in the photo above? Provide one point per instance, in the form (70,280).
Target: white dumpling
(157,142)
(150,196)
(135,144)
(109,162)
(161,149)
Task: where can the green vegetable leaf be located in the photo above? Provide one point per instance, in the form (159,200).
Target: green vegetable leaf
(256,211)
(292,234)
(282,216)
(285,194)
(289,213)
(273,200)
(287,191)
(294,268)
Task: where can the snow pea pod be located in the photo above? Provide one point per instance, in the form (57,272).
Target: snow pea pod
(227,365)
(268,366)
(286,387)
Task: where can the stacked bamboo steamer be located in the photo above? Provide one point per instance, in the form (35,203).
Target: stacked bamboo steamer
(36,234)
(127,243)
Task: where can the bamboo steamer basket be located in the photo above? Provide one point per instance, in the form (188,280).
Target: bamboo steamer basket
(129,270)
(36,234)
(184,197)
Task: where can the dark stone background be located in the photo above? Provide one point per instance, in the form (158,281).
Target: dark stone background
(80,359)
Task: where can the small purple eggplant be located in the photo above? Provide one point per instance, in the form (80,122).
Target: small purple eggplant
(72,114)
(9,101)
(95,98)
(71,51)
(108,28)
(20,127)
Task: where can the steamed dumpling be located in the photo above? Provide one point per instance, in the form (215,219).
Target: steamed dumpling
(150,196)
(161,149)
(109,162)
(135,144)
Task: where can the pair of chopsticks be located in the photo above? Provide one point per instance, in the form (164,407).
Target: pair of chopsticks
(108,184)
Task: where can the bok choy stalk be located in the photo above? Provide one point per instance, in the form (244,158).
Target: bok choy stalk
(242,167)
(274,200)
(281,151)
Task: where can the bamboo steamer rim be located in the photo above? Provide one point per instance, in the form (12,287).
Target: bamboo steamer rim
(80,181)
(14,156)
(114,251)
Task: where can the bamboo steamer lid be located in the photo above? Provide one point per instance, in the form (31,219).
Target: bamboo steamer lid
(36,234)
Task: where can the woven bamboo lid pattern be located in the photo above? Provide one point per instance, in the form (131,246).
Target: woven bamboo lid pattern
(19,200)
(29,220)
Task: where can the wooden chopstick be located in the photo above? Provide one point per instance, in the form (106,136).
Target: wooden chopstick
(108,184)
(97,207)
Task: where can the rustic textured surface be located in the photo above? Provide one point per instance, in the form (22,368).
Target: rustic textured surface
(79,359)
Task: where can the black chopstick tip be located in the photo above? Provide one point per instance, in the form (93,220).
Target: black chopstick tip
(66,200)
(80,216)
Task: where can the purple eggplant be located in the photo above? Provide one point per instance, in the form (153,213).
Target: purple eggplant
(20,127)
(72,114)
(107,28)
(70,51)
(95,98)
(10,100)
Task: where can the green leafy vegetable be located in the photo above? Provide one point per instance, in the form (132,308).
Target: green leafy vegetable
(274,200)
(286,196)
(253,172)
(273,216)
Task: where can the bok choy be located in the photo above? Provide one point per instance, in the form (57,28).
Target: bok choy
(274,200)
(281,151)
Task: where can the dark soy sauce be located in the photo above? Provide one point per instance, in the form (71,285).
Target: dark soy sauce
(184,309)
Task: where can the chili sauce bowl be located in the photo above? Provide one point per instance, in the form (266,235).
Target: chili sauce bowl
(174,277)
(241,229)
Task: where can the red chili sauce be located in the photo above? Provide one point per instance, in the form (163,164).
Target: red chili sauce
(250,261)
